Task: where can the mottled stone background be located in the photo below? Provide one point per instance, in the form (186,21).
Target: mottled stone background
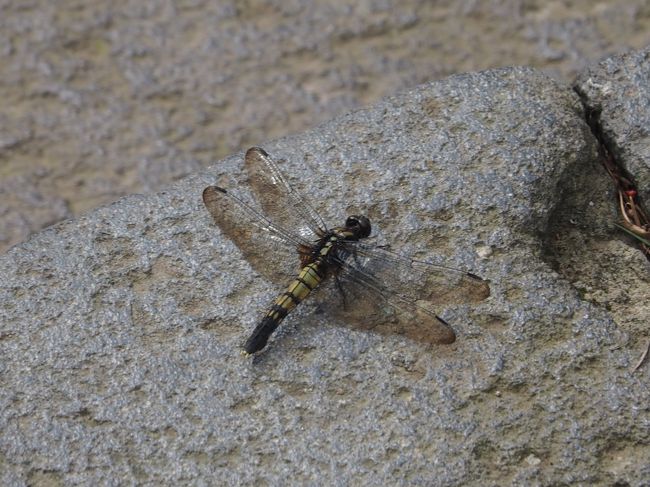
(120,329)
(103,99)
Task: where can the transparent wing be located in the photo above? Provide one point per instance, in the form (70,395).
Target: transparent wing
(411,278)
(393,294)
(364,307)
(280,202)
(270,249)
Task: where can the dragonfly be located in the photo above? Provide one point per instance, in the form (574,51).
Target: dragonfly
(367,285)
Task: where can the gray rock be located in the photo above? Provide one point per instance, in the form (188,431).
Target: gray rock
(618,89)
(120,330)
(608,269)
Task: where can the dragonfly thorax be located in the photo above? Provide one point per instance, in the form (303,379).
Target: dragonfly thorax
(328,251)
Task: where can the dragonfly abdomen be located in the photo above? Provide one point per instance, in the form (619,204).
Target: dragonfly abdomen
(310,276)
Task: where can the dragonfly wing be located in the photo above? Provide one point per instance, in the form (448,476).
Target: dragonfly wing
(280,201)
(393,294)
(270,249)
(411,278)
(369,307)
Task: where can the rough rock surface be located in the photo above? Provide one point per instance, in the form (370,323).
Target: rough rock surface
(609,270)
(103,99)
(120,330)
(618,89)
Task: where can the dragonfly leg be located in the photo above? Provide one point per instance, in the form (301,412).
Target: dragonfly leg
(339,286)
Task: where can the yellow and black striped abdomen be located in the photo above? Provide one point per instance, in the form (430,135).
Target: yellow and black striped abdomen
(310,276)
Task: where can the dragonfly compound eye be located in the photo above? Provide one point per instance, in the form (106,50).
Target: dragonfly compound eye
(359,223)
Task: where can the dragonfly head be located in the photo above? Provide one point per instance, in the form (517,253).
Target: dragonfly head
(359,225)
